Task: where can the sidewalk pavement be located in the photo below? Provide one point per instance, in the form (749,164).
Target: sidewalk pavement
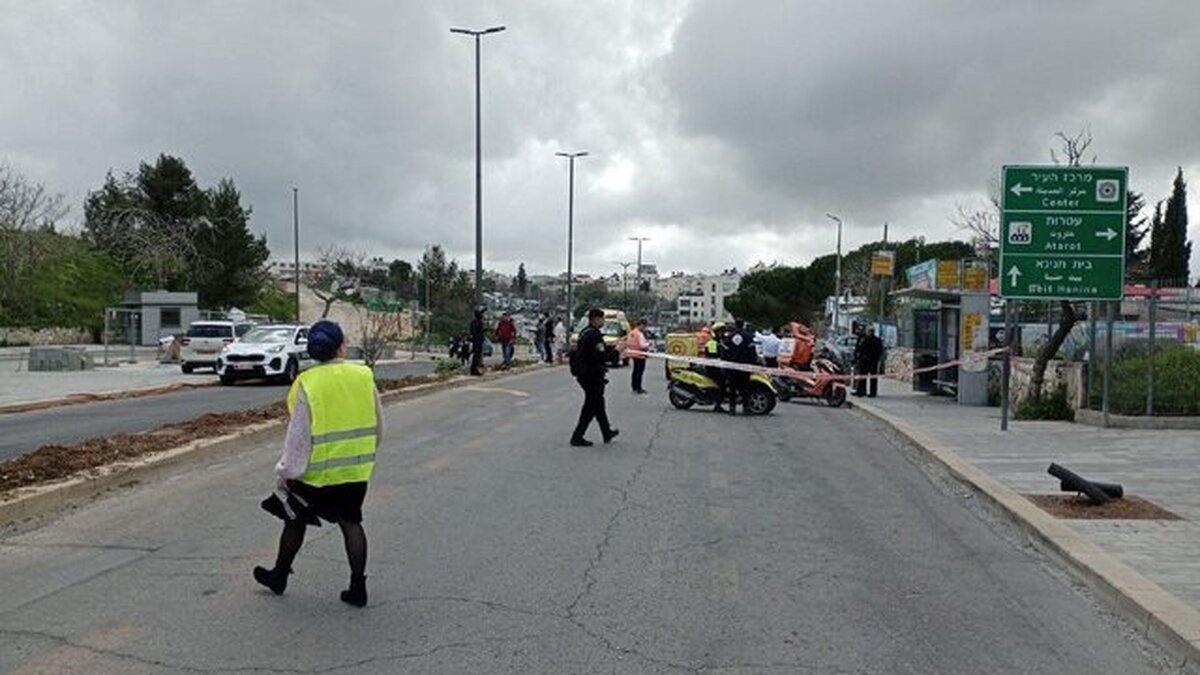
(1157,465)
(24,387)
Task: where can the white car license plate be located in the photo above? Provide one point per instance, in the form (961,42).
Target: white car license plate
(242,366)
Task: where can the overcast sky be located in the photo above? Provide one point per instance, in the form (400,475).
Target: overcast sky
(722,130)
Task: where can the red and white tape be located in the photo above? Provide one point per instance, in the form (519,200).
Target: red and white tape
(808,376)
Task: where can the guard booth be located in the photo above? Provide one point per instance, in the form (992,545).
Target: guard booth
(943,327)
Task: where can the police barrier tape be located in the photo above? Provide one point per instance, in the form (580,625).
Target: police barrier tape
(809,377)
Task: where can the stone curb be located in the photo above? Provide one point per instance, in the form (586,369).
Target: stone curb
(110,395)
(1160,616)
(25,503)
(1095,418)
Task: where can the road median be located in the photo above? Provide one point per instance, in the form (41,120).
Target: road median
(56,476)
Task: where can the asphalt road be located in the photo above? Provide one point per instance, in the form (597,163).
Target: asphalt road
(804,542)
(24,432)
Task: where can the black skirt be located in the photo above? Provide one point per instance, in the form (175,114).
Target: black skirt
(333,503)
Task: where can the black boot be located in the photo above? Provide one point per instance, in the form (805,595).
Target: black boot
(276,581)
(357,593)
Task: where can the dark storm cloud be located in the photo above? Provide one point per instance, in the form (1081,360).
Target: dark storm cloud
(723,130)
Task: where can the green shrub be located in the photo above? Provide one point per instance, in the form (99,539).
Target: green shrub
(445,367)
(1052,406)
(1176,383)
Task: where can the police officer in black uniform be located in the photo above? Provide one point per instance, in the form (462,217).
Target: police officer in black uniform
(589,366)
(739,347)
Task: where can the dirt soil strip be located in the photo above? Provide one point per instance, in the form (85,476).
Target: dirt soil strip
(75,399)
(67,465)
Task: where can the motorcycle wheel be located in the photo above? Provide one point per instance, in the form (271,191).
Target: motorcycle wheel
(679,400)
(761,401)
(836,397)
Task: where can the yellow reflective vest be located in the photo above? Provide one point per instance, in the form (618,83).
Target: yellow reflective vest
(341,402)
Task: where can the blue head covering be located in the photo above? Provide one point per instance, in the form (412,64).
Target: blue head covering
(324,339)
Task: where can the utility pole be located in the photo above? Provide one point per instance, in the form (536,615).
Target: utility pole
(478,163)
(571,230)
(837,275)
(296,244)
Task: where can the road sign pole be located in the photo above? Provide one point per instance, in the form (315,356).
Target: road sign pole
(1150,364)
(1108,357)
(1005,374)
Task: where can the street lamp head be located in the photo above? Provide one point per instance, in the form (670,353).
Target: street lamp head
(830,215)
(571,155)
(477,33)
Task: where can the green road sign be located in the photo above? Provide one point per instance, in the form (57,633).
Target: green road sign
(1062,232)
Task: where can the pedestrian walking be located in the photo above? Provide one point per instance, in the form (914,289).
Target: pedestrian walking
(335,427)
(637,341)
(506,335)
(477,343)
(589,366)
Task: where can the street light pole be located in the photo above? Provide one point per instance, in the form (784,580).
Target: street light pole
(837,275)
(478,163)
(570,229)
(639,241)
(296,244)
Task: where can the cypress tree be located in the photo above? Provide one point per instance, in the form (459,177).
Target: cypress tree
(1176,249)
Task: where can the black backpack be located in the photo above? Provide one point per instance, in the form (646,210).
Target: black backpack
(575,361)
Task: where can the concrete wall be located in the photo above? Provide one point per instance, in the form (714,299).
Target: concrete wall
(900,363)
(45,336)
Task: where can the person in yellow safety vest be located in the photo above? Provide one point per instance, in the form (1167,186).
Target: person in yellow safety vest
(714,349)
(329,454)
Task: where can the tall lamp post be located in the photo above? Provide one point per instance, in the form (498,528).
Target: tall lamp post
(639,241)
(478,164)
(570,229)
(296,244)
(837,275)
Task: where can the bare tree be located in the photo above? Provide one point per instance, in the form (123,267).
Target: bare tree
(336,276)
(155,251)
(25,205)
(1073,150)
(380,327)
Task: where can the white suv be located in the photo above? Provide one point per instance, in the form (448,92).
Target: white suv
(274,352)
(205,339)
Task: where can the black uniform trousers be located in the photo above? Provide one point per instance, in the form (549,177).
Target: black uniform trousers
(593,408)
(739,385)
(476,358)
(639,369)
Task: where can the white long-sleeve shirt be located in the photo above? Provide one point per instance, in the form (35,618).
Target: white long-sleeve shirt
(297,444)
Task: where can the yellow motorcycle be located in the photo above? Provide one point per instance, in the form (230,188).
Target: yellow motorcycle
(688,385)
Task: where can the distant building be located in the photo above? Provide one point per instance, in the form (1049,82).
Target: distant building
(154,314)
(701,298)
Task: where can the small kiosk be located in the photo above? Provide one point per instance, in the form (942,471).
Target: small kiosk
(945,320)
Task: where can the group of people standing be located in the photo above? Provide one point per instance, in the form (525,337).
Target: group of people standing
(550,338)
(736,345)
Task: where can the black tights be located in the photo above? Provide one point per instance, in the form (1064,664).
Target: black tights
(352,533)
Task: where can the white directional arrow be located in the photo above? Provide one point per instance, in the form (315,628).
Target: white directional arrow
(1108,234)
(1013,274)
(1019,189)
